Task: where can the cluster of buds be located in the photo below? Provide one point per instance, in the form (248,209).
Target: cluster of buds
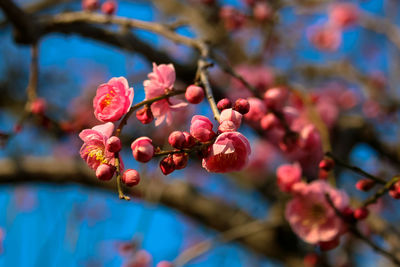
(109,7)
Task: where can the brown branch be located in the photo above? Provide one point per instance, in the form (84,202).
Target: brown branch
(271,241)
(381,192)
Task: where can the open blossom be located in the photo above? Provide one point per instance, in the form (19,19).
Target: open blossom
(230,152)
(161,81)
(113,100)
(311,216)
(93,151)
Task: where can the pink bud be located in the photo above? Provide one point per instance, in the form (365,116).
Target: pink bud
(90,5)
(164,264)
(343,14)
(109,7)
(269,121)
(242,106)
(365,184)
(142,149)
(167,165)
(130,177)
(224,104)
(189,140)
(394,191)
(144,115)
(180,160)
(275,98)
(38,106)
(310,138)
(227,126)
(177,139)
(201,128)
(194,94)
(361,213)
(105,172)
(231,115)
(326,164)
(113,144)
(288,175)
(262,11)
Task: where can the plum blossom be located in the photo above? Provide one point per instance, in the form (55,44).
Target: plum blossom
(230,152)
(311,216)
(161,81)
(93,151)
(113,100)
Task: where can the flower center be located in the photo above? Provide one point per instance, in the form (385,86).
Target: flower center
(98,154)
(108,99)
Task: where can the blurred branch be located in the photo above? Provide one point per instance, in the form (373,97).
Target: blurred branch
(271,241)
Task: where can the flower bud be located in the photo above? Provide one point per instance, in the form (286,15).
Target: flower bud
(109,7)
(144,115)
(177,139)
(105,172)
(90,5)
(180,160)
(194,94)
(113,144)
(361,213)
(288,175)
(310,260)
(242,106)
(189,140)
(167,165)
(201,128)
(224,104)
(231,115)
(348,214)
(394,191)
(275,98)
(38,106)
(130,177)
(269,121)
(326,164)
(227,126)
(142,149)
(365,184)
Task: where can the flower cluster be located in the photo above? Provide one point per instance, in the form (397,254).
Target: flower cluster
(223,150)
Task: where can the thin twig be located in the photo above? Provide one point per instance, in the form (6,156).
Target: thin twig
(381,192)
(355,169)
(354,230)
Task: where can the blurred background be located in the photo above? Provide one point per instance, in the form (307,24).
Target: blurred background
(55,213)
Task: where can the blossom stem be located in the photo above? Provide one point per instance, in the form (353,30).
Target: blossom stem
(381,192)
(119,186)
(202,71)
(196,148)
(143,103)
(355,169)
(354,230)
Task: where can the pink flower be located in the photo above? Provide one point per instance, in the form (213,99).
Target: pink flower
(311,216)
(142,149)
(201,128)
(288,175)
(230,152)
(275,98)
(343,14)
(38,106)
(325,38)
(93,151)
(113,100)
(231,115)
(161,81)
(109,7)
